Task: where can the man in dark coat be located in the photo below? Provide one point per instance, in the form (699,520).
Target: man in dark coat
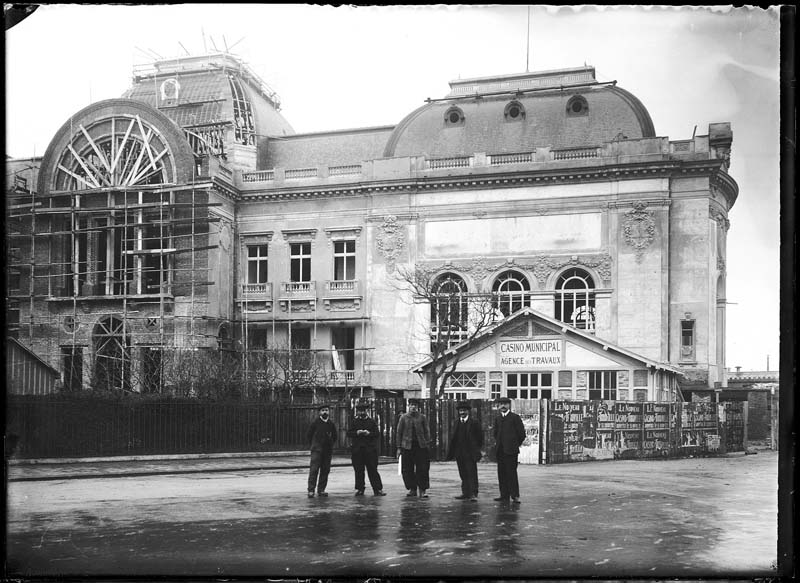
(321,435)
(509,434)
(364,454)
(466,440)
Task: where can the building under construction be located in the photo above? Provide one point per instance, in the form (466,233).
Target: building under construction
(187,221)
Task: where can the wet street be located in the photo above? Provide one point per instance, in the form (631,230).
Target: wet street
(678,518)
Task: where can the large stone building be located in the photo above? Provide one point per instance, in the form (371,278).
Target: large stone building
(189,214)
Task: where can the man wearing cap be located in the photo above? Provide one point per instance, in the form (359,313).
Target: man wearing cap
(413,438)
(509,434)
(321,435)
(466,440)
(364,454)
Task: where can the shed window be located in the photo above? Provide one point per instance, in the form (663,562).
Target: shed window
(603,385)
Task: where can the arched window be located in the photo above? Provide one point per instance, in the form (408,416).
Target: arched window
(509,289)
(575,299)
(449,310)
(112,360)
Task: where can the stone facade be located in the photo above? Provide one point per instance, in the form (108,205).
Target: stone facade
(544,181)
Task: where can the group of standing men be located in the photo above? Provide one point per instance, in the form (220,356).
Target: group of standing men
(413,442)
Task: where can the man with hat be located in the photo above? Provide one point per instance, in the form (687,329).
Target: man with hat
(413,438)
(364,454)
(321,435)
(509,434)
(466,440)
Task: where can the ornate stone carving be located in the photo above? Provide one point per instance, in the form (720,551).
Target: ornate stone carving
(721,264)
(718,216)
(724,153)
(342,305)
(639,228)
(390,241)
(542,266)
(601,264)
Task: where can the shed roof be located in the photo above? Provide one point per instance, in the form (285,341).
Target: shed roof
(495,330)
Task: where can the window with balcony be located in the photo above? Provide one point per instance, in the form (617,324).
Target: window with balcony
(602,384)
(529,385)
(257,256)
(300,262)
(344,260)
(575,300)
(510,289)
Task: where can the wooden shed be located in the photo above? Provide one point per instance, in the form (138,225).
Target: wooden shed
(26,373)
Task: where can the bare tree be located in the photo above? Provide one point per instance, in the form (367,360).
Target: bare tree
(284,371)
(456,317)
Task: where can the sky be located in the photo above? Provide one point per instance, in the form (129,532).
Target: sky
(348,67)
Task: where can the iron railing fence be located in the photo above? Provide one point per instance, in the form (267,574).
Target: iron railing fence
(69,426)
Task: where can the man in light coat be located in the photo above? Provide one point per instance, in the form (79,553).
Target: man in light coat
(413,439)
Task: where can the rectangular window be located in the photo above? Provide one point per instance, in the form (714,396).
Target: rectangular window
(640,377)
(72,363)
(123,253)
(540,384)
(301,338)
(687,339)
(343,344)
(256,338)
(300,255)
(467,380)
(257,263)
(602,385)
(495,389)
(455,395)
(344,260)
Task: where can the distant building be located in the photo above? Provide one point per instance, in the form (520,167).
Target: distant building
(188,214)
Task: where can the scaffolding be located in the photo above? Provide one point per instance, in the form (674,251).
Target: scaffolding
(104,269)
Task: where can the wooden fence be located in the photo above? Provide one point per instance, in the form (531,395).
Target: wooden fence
(558,431)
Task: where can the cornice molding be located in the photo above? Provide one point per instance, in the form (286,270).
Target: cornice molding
(542,177)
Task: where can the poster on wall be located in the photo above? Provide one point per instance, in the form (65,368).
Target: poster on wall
(529,450)
(657,437)
(571,429)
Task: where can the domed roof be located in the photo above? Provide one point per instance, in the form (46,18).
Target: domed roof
(519,113)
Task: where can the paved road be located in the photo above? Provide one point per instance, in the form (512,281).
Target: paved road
(684,518)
